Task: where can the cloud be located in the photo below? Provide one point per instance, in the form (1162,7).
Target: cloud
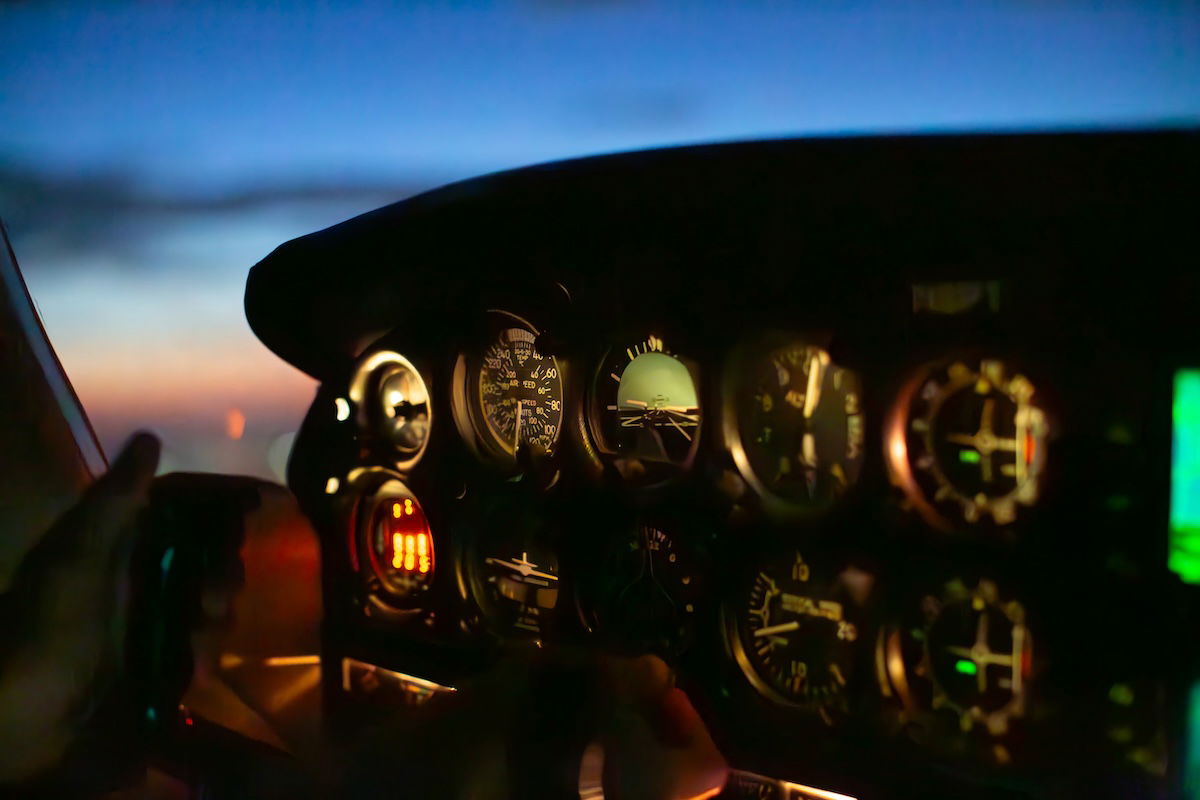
(63,217)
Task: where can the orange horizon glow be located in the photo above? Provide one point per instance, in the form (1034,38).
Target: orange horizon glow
(235,424)
(194,382)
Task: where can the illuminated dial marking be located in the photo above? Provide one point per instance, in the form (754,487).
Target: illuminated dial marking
(799,425)
(520,392)
(647,405)
(974,443)
(518,592)
(509,567)
(797,636)
(522,565)
(970,655)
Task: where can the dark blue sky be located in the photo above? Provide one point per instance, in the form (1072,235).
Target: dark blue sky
(180,91)
(150,153)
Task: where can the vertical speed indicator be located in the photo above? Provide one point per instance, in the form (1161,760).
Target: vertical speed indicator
(797,635)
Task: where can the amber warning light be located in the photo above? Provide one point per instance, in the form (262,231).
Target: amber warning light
(410,541)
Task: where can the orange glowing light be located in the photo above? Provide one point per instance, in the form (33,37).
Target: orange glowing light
(397,550)
(808,792)
(235,424)
(1030,448)
(403,527)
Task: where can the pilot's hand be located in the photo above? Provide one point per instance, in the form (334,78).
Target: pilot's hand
(499,739)
(64,619)
(655,745)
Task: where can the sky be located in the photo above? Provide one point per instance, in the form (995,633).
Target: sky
(151,153)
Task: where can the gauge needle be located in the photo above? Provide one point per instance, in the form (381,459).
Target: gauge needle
(984,443)
(523,566)
(981,653)
(812,395)
(773,629)
(987,415)
(517,435)
(680,429)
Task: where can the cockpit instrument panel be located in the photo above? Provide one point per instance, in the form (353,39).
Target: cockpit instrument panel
(869,439)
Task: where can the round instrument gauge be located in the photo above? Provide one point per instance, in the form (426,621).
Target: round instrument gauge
(395,547)
(645,409)
(393,404)
(646,593)
(968,654)
(511,573)
(796,426)
(967,441)
(511,394)
(796,634)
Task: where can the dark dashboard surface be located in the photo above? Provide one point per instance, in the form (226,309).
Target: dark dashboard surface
(868,438)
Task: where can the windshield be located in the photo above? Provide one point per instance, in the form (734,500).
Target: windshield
(150,154)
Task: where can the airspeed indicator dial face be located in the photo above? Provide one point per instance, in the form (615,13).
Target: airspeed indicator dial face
(519,390)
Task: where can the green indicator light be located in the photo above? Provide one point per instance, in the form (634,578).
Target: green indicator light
(151,714)
(1121,694)
(966,667)
(968,456)
(1183,555)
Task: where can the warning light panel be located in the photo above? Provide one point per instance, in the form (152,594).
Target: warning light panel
(398,547)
